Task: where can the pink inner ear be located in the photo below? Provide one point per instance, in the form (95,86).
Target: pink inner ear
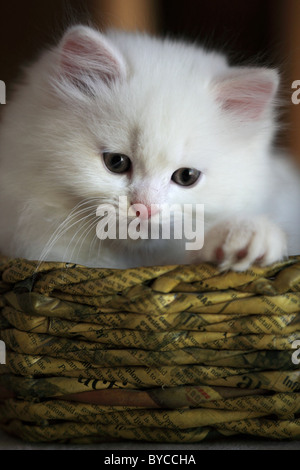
(82,55)
(252,103)
(247,95)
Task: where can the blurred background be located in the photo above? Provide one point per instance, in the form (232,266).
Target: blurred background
(261,32)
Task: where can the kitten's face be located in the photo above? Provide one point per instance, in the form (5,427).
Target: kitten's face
(156,122)
(160,136)
(145,151)
(157,107)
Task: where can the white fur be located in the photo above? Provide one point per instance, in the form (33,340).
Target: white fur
(165,109)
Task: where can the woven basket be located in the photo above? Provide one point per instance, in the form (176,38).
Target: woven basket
(164,354)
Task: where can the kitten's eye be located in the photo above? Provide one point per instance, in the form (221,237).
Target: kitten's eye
(117,162)
(186,176)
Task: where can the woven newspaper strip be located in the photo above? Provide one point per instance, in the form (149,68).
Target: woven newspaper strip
(161,354)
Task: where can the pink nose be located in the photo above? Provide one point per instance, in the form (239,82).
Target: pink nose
(145,211)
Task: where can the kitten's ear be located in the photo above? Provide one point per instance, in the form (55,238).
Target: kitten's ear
(247,93)
(86,56)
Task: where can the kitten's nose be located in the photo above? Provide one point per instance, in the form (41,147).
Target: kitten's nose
(145,211)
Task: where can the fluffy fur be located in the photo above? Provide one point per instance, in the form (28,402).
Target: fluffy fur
(166,105)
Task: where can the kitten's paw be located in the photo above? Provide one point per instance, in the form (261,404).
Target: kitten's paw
(238,243)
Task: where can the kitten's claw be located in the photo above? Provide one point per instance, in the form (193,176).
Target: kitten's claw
(238,243)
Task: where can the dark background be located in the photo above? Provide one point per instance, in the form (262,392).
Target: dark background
(255,32)
(248,31)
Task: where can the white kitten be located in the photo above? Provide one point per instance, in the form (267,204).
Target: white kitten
(104,116)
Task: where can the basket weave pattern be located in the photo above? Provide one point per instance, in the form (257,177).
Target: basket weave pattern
(165,354)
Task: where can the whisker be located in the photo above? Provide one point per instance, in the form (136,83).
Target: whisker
(61,230)
(87,224)
(87,232)
(68,223)
(83,218)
